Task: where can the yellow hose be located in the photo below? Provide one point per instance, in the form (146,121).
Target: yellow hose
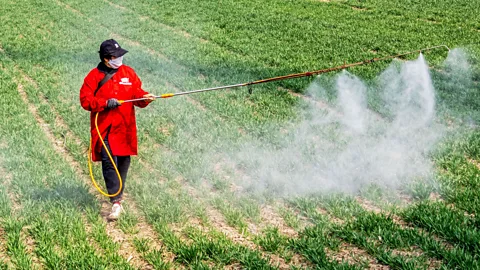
(111,159)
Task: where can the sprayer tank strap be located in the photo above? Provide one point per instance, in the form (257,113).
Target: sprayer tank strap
(107,77)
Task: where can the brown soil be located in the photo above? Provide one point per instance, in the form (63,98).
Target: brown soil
(271,217)
(368,205)
(331,218)
(415,252)
(353,255)
(474,162)
(436,197)
(3,250)
(30,247)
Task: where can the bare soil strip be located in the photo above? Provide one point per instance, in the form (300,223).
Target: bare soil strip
(57,144)
(6,178)
(474,162)
(115,5)
(359,8)
(30,247)
(415,252)
(319,104)
(4,258)
(331,218)
(271,217)
(368,205)
(353,255)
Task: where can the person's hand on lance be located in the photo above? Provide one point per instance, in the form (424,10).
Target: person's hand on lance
(113,103)
(149,97)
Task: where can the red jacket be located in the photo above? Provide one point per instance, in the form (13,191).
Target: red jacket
(122,134)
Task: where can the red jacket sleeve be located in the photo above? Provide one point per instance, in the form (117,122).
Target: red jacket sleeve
(139,92)
(88,101)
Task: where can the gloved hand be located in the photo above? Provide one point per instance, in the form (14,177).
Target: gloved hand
(113,103)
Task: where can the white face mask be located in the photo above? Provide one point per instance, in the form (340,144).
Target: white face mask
(116,63)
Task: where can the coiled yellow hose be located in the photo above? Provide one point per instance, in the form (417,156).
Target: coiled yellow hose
(111,159)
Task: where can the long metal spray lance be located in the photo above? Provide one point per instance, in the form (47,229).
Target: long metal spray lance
(290,76)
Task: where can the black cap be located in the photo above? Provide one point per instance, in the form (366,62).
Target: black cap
(111,47)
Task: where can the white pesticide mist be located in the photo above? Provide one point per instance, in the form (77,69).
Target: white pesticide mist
(345,146)
(458,66)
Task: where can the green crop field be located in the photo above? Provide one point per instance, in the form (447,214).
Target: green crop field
(270,179)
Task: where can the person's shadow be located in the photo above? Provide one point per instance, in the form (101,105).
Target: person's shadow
(70,195)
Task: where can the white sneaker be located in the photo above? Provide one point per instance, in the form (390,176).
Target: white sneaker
(116,210)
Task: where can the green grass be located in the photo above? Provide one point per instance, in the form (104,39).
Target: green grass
(186,45)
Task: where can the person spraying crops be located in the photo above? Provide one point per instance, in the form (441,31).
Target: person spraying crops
(113,124)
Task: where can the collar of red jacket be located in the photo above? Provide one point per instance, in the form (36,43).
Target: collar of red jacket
(103,68)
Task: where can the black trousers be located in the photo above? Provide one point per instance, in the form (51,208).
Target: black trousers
(109,173)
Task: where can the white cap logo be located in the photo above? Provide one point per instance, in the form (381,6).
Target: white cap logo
(116,45)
